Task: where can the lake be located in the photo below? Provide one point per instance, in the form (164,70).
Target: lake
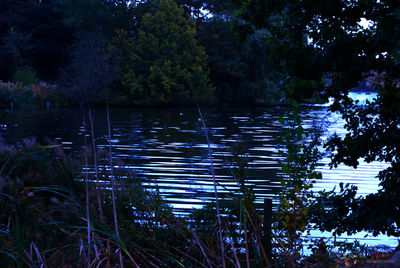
(167,147)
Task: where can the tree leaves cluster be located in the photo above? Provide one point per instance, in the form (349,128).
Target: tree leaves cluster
(312,40)
(32,34)
(163,57)
(299,147)
(240,69)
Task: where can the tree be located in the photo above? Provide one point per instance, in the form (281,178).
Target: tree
(89,71)
(33,34)
(18,46)
(199,9)
(227,70)
(163,57)
(97,16)
(10,9)
(239,70)
(313,39)
(50,37)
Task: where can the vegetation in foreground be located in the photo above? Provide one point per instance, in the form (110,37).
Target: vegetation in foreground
(338,44)
(50,215)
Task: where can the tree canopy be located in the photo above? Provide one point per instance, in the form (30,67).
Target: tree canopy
(38,40)
(312,40)
(163,57)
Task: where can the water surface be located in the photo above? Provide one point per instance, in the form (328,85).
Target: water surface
(167,147)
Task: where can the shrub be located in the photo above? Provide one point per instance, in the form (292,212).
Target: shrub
(21,95)
(25,75)
(16,93)
(43,92)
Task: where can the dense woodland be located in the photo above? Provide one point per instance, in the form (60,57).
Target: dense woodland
(166,52)
(134,54)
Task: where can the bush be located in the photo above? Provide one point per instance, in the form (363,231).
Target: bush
(5,94)
(43,92)
(21,95)
(16,93)
(25,75)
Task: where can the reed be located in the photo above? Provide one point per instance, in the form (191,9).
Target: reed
(87,193)
(113,186)
(96,169)
(221,240)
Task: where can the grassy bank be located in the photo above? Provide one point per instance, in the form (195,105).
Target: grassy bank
(46,94)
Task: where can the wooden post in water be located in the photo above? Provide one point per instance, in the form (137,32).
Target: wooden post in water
(267,227)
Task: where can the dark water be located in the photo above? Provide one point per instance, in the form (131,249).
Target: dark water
(168,149)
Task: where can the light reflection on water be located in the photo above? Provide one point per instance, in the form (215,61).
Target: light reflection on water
(167,148)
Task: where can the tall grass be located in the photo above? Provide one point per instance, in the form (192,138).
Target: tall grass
(112,184)
(54,201)
(87,193)
(49,217)
(221,240)
(96,169)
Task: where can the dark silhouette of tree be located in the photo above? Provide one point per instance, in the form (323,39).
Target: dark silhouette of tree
(313,39)
(33,34)
(90,71)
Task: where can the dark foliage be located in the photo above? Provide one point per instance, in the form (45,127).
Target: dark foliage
(310,40)
(89,71)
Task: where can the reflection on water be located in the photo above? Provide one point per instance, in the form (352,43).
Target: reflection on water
(167,148)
